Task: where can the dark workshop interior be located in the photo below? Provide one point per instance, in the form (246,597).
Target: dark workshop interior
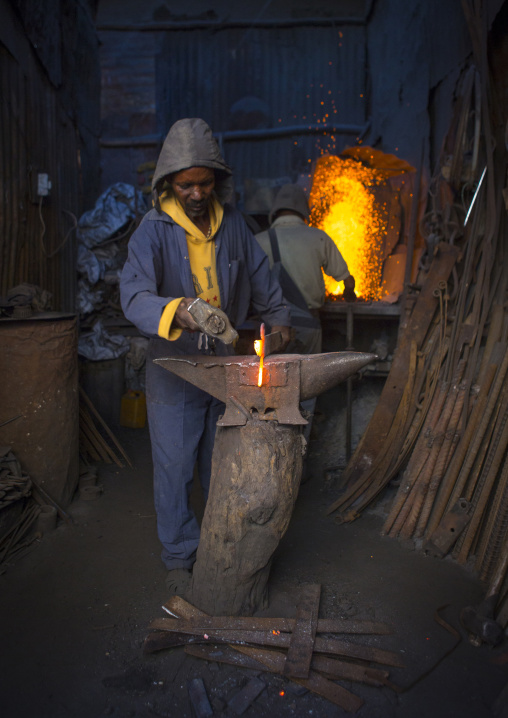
(369,579)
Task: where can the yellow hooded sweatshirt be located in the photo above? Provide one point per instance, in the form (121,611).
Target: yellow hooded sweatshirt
(201,258)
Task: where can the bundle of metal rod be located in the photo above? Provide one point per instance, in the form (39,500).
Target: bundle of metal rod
(19,538)
(441,424)
(411,508)
(485,480)
(406,396)
(96,440)
(14,484)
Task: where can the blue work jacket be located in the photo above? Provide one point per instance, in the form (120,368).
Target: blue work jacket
(158,270)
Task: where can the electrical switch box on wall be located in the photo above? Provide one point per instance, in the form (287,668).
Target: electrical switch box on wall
(43,184)
(40,185)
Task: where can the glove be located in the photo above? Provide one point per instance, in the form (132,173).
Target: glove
(286,335)
(349,289)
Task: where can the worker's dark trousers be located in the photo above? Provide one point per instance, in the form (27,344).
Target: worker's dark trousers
(182,421)
(307,340)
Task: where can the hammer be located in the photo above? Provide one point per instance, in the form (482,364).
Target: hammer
(212,321)
(480,622)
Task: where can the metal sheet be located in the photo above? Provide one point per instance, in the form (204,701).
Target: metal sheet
(49,71)
(37,241)
(39,370)
(265,78)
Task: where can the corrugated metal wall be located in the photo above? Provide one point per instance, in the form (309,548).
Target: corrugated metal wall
(297,75)
(127,102)
(49,115)
(36,137)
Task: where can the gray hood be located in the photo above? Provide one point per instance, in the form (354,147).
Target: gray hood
(292,197)
(190,143)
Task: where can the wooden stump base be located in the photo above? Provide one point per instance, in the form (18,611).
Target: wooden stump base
(256,472)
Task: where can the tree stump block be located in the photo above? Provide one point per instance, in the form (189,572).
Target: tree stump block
(256,472)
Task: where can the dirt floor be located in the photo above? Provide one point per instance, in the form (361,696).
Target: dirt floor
(75,610)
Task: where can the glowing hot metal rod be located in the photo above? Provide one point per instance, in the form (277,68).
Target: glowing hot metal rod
(259,347)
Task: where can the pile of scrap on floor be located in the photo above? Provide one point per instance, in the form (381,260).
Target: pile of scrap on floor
(441,426)
(289,647)
(307,650)
(18,511)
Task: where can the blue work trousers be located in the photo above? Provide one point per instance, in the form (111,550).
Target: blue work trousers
(182,421)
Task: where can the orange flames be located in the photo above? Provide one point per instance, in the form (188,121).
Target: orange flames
(343,205)
(259,348)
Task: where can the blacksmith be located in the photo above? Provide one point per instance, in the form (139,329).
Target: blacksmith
(191,244)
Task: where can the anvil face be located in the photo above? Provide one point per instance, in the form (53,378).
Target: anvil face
(287,380)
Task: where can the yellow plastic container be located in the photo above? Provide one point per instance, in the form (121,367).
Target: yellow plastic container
(133,410)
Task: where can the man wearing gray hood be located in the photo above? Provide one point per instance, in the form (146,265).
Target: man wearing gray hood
(299,254)
(192,244)
(304,252)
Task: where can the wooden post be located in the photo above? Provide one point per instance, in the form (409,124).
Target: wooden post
(256,472)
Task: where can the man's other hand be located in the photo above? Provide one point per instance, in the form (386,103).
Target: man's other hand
(349,289)
(285,334)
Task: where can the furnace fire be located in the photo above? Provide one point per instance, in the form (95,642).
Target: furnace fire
(343,205)
(363,200)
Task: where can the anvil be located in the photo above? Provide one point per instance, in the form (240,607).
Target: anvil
(256,466)
(288,379)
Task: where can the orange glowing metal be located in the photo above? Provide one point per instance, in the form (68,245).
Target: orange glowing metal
(343,205)
(259,348)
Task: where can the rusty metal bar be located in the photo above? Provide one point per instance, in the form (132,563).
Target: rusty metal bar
(349,383)
(156,140)
(329,646)
(331,668)
(255,623)
(412,231)
(301,646)
(215,25)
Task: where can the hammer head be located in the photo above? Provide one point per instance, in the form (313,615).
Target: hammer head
(479,622)
(212,321)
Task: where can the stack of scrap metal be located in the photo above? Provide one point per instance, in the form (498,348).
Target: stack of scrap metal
(291,647)
(16,507)
(441,425)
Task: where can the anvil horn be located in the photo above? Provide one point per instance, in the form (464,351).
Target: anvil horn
(320,372)
(205,372)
